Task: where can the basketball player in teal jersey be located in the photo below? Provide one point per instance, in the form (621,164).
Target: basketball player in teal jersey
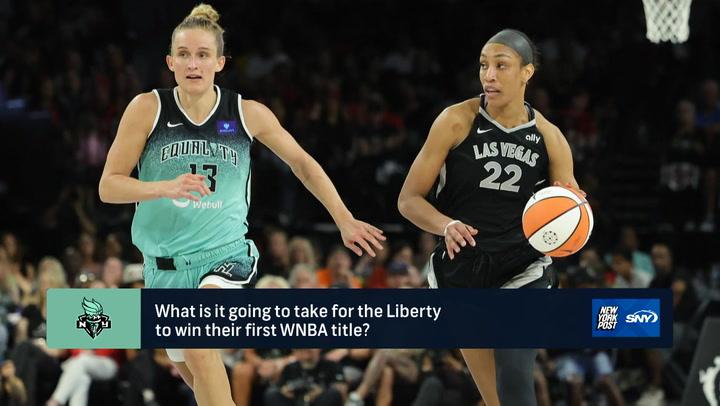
(490,153)
(192,147)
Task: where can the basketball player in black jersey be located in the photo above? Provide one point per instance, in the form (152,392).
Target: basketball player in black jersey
(489,154)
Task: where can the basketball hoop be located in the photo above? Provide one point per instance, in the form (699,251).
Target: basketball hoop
(667,20)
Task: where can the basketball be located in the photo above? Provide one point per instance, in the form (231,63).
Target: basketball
(557,221)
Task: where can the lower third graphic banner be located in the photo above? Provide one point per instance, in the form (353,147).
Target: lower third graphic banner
(359,318)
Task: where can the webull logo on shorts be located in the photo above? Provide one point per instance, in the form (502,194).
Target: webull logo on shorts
(218,204)
(626,317)
(642,316)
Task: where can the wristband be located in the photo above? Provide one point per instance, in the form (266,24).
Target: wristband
(448,225)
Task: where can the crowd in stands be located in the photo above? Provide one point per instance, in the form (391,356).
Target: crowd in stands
(361,101)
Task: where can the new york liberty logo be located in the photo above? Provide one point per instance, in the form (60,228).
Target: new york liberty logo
(93,321)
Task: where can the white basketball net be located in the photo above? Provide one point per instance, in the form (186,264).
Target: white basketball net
(667,20)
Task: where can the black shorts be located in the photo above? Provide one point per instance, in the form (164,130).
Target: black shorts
(515,267)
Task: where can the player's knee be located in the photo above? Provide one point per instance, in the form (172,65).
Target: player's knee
(185,373)
(514,378)
(199,358)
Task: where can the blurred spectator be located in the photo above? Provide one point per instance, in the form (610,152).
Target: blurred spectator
(584,277)
(685,298)
(681,172)
(276,259)
(113,246)
(338,271)
(576,367)
(133,276)
(708,114)
(83,367)
(112,272)
(303,276)
(580,127)
(399,275)
(36,364)
(90,264)
(595,267)
(310,380)
(445,380)
(255,371)
(301,252)
(393,374)
(12,388)
(403,272)
(641,261)
(22,274)
(627,275)
(708,121)
(272,282)
(10,293)
(353,361)
(153,380)
(372,269)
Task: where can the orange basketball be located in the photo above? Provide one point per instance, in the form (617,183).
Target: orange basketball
(557,221)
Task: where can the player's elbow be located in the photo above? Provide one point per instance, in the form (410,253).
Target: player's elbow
(305,168)
(105,190)
(403,205)
(102,190)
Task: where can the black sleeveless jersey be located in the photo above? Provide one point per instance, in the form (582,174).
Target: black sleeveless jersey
(487,179)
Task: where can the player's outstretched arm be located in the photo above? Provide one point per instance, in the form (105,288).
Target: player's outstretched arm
(265,127)
(445,133)
(116,185)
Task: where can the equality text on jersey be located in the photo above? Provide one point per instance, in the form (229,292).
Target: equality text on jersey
(198,148)
(507,150)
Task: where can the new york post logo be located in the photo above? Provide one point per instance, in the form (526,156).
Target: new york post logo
(226,127)
(93,321)
(626,317)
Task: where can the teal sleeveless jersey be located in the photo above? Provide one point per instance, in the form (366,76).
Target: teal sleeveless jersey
(218,148)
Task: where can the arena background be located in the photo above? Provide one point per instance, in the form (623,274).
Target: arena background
(358,84)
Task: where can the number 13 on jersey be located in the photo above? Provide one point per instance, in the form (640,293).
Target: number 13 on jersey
(212,172)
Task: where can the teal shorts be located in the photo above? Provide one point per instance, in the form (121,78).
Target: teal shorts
(230,266)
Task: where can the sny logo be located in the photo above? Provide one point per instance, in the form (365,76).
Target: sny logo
(93,321)
(226,127)
(642,316)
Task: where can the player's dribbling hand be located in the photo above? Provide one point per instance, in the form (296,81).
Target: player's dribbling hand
(569,186)
(180,187)
(358,235)
(457,235)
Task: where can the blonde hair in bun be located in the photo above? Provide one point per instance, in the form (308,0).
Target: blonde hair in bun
(205,17)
